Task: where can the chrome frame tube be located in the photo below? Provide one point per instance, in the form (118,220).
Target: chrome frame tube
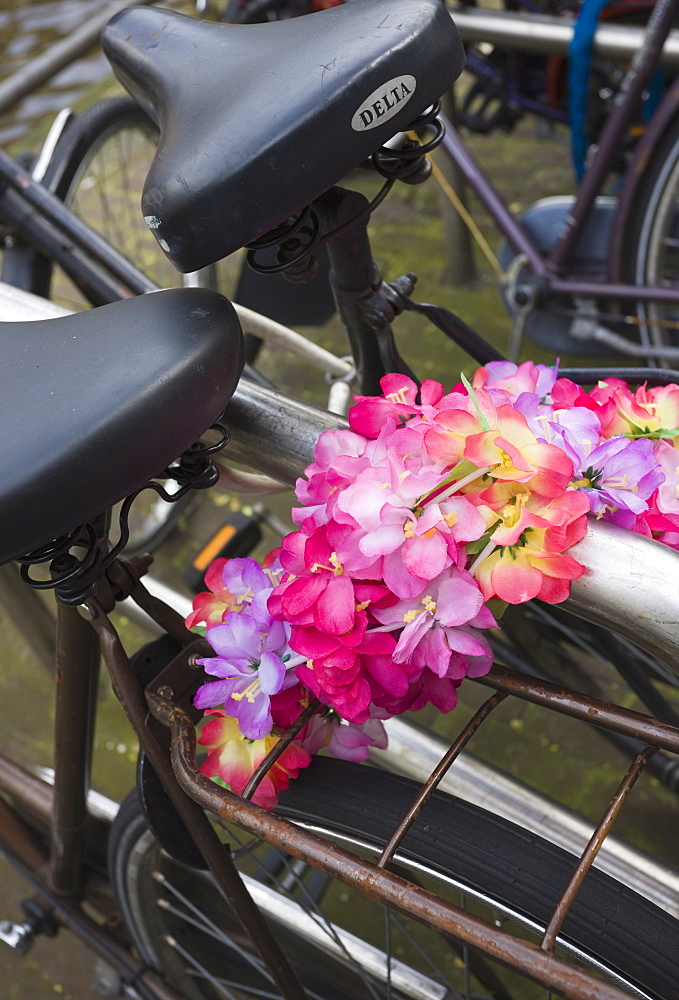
(545,34)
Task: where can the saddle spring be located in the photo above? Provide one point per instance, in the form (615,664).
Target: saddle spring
(299,237)
(73,576)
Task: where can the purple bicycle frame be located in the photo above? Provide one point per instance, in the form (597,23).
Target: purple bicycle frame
(553,268)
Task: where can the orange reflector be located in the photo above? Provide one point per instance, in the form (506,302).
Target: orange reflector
(214,547)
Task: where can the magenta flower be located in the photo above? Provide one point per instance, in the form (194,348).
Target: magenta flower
(440,627)
(316,591)
(401,401)
(347,672)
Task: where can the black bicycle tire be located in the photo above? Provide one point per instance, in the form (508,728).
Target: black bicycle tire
(622,930)
(643,231)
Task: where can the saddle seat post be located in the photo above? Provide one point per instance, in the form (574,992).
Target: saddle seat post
(77,673)
(357,288)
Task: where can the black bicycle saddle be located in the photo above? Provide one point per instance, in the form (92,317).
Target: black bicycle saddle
(96,404)
(258,120)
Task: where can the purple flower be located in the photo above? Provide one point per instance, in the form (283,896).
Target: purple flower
(618,477)
(251,662)
(245,578)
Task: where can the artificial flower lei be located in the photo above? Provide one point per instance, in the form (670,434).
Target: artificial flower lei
(417,526)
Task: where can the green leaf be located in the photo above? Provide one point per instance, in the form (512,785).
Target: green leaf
(497,607)
(459,471)
(474,398)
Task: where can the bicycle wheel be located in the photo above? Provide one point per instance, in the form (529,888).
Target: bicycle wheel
(98,170)
(651,241)
(344,945)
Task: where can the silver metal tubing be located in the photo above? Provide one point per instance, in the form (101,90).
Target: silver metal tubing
(279,336)
(178,602)
(274,433)
(631,586)
(542,33)
(631,582)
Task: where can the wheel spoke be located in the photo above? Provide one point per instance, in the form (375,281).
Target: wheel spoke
(219,985)
(208,927)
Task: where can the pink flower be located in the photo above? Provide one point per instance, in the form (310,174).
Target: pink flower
(440,628)
(343,740)
(644,413)
(514,380)
(446,440)
(399,403)
(533,564)
(512,453)
(211,606)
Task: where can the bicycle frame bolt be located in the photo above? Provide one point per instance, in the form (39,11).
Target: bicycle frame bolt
(165,692)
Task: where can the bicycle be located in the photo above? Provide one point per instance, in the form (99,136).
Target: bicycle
(592,274)
(68,162)
(134,844)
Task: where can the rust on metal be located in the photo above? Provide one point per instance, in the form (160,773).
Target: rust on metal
(278,748)
(376,883)
(436,775)
(589,854)
(178,681)
(645,728)
(125,574)
(219,861)
(77,665)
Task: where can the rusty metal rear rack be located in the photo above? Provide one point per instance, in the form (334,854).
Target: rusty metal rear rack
(375,880)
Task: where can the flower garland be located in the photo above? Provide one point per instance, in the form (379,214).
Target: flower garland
(417,527)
